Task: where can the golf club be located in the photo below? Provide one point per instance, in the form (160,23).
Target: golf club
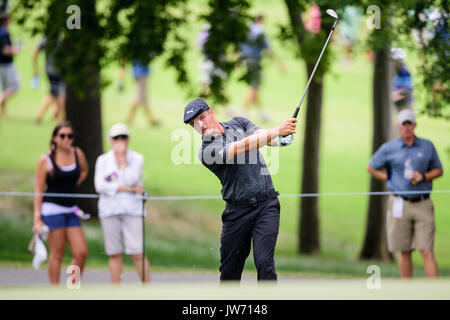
(333,14)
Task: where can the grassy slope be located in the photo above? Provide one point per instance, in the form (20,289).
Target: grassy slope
(345,151)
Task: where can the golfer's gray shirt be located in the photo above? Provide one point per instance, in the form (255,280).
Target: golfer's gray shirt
(244,176)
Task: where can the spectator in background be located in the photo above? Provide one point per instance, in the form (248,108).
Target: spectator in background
(9,78)
(208,70)
(63,169)
(348,30)
(57,93)
(314,20)
(141,73)
(411,164)
(118,179)
(402,85)
(252,52)
(206,66)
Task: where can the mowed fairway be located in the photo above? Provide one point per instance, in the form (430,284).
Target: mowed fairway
(345,151)
(298,290)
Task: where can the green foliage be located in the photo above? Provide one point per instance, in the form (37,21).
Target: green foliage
(228,28)
(433,48)
(311,44)
(111,31)
(399,20)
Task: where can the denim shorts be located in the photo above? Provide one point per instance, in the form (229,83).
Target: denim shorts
(64,220)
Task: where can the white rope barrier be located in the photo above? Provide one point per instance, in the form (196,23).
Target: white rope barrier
(166,198)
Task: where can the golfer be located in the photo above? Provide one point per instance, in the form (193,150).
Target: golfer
(252,211)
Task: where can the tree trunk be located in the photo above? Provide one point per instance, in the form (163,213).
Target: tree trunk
(309,209)
(309,241)
(375,242)
(84,112)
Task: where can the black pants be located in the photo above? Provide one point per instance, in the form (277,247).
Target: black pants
(241,224)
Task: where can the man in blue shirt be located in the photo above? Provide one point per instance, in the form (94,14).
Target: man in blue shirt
(411,164)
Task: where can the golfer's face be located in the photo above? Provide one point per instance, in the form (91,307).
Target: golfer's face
(407,129)
(204,123)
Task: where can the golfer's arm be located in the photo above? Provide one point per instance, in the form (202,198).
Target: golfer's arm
(377,174)
(433,174)
(273,142)
(255,141)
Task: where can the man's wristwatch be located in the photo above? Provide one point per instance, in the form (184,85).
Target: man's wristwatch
(423,177)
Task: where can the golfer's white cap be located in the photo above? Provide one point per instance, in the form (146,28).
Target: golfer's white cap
(398,54)
(118,129)
(406,115)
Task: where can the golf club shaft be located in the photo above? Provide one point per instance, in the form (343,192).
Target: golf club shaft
(314,71)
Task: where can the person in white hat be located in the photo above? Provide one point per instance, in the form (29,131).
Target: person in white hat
(411,164)
(118,180)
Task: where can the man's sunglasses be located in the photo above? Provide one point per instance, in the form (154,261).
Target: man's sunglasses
(122,137)
(64,135)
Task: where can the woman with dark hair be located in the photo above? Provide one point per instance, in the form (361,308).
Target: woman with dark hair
(60,171)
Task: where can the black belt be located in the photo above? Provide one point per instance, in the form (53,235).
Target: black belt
(415,199)
(255,199)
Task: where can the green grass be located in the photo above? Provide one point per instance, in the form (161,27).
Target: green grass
(355,289)
(186,233)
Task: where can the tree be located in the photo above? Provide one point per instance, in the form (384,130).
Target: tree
(95,34)
(375,245)
(310,45)
(229,27)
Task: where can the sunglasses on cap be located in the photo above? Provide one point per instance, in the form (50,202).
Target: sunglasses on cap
(121,137)
(64,135)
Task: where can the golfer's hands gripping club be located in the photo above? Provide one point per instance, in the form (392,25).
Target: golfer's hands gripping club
(286,132)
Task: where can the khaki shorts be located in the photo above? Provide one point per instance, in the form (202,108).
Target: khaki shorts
(414,229)
(141,94)
(122,229)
